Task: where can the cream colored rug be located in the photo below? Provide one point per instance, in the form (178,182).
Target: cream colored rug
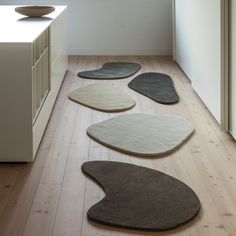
(142,134)
(103,98)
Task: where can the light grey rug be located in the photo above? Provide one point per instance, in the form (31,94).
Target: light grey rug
(142,134)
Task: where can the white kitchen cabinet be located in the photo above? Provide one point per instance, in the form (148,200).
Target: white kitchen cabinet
(33,63)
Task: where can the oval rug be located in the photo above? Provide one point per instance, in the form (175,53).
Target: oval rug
(112,70)
(103,98)
(140,198)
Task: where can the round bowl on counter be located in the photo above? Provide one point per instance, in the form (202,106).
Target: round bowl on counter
(35,11)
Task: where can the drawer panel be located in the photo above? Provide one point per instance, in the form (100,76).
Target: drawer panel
(39,45)
(40,73)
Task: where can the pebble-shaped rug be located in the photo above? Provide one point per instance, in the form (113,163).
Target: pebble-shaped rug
(158,87)
(102,97)
(142,134)
(140,198)
(112,70)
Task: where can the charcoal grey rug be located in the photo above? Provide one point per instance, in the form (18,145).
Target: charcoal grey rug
(159,87)
(112,70)
(142,134)
(140,198)
(102,97)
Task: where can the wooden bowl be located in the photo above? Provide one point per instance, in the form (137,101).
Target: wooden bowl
(34,11)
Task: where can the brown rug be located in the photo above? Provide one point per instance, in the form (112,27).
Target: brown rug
(140,198)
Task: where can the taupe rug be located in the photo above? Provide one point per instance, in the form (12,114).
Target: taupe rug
(103,98)
(140,198)
(159,87)
(142,134)
(112,70)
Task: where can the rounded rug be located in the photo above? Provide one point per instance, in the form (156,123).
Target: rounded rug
(103,98)
(142,134)
(112,70)
(140,198)
(159,87)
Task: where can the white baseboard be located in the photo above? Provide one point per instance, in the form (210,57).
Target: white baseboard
(95,52)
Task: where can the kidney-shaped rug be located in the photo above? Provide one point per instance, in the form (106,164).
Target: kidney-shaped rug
(140,198)
(112,70)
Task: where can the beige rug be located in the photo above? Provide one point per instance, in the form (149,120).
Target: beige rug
(142,134)
(103,98)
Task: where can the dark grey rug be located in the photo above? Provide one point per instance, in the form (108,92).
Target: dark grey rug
(140,198)
(112,70)
(159,87)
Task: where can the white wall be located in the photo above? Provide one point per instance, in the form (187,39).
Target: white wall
(233,67)
(198,48)
(119,27)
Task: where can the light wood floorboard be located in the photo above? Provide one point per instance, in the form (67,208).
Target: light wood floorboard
(51,196)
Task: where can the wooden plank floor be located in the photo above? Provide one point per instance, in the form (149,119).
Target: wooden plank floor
(51,196)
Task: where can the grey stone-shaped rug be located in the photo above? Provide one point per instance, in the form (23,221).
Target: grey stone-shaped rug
(102,97)
(140,198)
(142,134)
(112,70)
(159,87)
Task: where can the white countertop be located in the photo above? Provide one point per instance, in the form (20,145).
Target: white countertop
(16,28)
